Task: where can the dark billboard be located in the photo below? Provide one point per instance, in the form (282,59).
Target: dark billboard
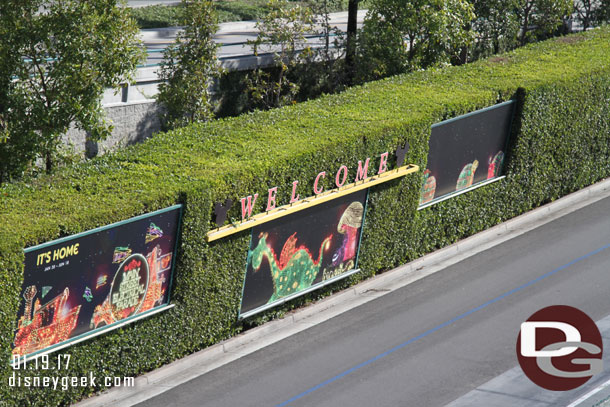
(298,253)
(89,282)
(466,151)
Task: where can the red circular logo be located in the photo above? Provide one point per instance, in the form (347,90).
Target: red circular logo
(559,348)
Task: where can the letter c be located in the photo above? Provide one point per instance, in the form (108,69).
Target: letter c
(317,190)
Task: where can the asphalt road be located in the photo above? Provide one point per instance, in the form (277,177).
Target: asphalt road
(430,342)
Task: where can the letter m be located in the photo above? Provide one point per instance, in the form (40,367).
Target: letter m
(362,171)
(246,209)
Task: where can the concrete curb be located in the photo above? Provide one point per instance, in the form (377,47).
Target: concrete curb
(183,370)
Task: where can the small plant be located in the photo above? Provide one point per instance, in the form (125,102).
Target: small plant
(189,68)
(281,33)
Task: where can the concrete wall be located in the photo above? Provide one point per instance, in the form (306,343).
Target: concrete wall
(133,122)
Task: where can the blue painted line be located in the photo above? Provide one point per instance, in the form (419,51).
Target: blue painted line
(444,324)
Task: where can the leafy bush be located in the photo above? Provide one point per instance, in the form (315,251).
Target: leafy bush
(400,36)
(188,68)
(560,143)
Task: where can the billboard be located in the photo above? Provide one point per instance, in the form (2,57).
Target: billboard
(296,254)
(466,152)
(96,280)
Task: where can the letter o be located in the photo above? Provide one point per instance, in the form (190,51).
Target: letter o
(343,169)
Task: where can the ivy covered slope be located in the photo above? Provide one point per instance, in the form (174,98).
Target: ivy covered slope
(560,143)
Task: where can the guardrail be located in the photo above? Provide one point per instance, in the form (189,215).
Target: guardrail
(145,87)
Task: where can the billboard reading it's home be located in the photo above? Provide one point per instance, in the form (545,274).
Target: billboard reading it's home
(95,280)
(298,253)
(466,151)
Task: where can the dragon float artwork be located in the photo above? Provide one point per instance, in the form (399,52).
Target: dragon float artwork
(95,280)
(296,269)
(293,255)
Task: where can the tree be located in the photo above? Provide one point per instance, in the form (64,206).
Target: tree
(496,27)
(602,13)
(539,19)
(282,33)
(322,71)
(585,11)
(57,60)
(17,149)
(400,36)
(189,67)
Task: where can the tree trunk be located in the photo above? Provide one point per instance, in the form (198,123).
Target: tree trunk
(526,21)
(350,47)
(49,161)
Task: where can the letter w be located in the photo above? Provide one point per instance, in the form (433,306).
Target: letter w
(247,209)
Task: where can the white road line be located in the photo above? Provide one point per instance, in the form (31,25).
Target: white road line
(589,394)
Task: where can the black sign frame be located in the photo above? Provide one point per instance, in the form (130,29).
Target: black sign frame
(445,157)
(294,218)
(171,215)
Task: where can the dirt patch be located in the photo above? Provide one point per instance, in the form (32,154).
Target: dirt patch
(571,39)
(499,60)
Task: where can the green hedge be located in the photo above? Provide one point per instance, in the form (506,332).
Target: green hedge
(560,143)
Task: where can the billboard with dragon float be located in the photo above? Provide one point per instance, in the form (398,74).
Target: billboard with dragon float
(466,152)
(298,253)
(95,280)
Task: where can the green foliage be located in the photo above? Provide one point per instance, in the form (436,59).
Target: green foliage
(60,57)
(231,10)
(586,11)
(560,143)
(602,14)
(496,27)
(540,19)
(281,33)
(189,66)
(400,36)
(159,16)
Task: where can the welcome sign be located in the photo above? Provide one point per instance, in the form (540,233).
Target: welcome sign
(94,281)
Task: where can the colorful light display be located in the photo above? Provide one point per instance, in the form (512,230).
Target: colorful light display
(135,256)
(314,246)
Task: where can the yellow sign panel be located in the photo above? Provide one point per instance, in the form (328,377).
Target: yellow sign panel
(311,201)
